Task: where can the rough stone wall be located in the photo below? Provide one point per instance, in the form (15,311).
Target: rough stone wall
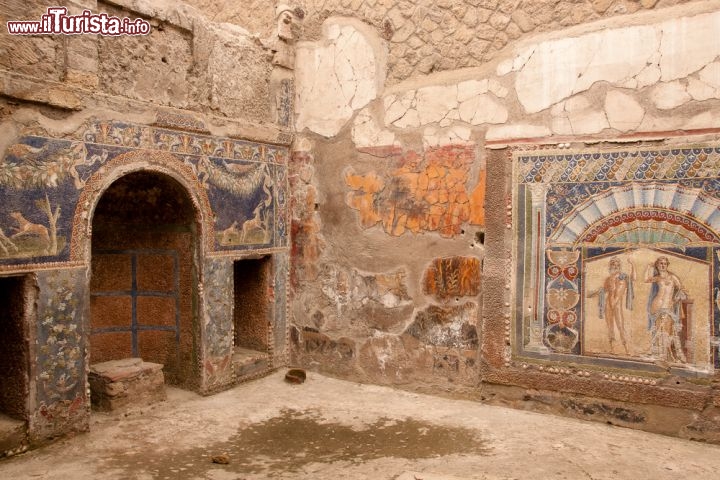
(183,63)
(432,36)
(30,55)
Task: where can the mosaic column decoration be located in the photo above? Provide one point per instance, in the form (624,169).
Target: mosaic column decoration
(563,296)
(537,265)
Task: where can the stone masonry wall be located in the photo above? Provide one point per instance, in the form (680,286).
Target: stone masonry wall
(431,36)
(183,63)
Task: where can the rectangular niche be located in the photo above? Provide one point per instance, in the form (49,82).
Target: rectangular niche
(16,300)
(252,312)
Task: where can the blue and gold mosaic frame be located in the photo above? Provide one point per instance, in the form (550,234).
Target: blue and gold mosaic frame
(595,232)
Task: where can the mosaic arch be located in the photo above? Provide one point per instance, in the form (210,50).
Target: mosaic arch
(122,165)
(617,256)
(48,187)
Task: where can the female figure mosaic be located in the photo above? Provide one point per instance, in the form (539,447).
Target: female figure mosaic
(665,311)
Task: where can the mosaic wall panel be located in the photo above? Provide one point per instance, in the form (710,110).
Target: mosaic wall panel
(41,180)
(61,341)
(218,306)
(617,257)
(281,267)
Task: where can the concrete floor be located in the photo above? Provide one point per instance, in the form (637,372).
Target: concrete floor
(331,429)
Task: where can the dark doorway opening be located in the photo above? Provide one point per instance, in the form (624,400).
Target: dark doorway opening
(142,288)
(17,297)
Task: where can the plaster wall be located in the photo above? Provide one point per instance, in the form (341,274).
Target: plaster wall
(431,36)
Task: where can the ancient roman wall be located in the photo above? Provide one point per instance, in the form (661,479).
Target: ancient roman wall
(430,36)
(201,108)
(461,231)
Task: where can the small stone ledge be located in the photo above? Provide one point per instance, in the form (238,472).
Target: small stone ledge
(121,383)
(249,362)
(13,434)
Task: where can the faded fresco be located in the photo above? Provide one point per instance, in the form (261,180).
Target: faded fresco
(617,257)
(41,180)
(453,277)
(423,193)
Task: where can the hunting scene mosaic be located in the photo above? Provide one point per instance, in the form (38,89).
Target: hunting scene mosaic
(617,257)
(41,181)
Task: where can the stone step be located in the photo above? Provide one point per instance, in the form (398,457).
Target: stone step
(127,382)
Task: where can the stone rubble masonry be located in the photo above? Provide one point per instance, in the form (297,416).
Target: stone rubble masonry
(119,384)
(183,63)
(429,36)
(599,79)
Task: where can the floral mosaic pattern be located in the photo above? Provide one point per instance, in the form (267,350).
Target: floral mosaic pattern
(281,265)
(61,352)
(281,199)
(218,306)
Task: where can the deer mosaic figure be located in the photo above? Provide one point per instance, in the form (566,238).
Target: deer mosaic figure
(228,236)
(257,222)
(26,227)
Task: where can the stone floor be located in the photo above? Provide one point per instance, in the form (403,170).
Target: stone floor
(330,429)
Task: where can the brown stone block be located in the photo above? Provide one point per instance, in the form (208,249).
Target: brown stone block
(111,311)
(156,311)
(111,272)
(129,381)
(158,346)
(110,346)
(156,272)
